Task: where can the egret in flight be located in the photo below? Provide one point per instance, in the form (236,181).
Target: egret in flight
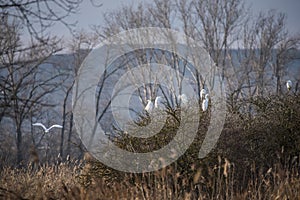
(149,106)
(47,129)
(205,103)
(202,93)
(289,84)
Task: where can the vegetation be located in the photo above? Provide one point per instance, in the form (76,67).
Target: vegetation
(63,182)
(257,155)
(255,158)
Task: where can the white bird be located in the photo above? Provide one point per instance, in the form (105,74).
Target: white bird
(47,129)
(183,100)
(149,106)
(202,93)
(205,103)
(289,84)
(158,102)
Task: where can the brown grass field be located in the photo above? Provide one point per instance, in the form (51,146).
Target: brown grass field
(68,181)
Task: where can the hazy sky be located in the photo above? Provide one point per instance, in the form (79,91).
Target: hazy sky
(89,15)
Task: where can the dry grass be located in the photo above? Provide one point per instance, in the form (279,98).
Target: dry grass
(69,181)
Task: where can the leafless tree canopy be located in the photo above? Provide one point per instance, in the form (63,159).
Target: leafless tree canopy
(241,45)
(38,16)
(28,77)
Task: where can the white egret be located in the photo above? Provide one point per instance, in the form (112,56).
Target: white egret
(205,103)
(149,106)
(158,102)
(183,100)
(202,93)
(47,129)
(289,84)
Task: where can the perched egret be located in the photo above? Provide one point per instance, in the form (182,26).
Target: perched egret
(158,102)
(289,84)
(202,93)
(182,98)
(149,106)
(205,103)
(47,129)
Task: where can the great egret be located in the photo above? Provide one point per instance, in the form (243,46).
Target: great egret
(149,106)
(202,93)
(158,102)
(182,98)
(47,129)
(289,84)
(205,103)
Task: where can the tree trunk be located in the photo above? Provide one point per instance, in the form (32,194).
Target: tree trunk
(278,86)
(64,120)
(70,134)
(19,145)
(61,151)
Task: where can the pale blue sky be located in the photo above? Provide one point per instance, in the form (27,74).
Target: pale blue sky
(89,15)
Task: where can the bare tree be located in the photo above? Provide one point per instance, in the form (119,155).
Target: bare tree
(266,49)
(81,44)
(24,81)
(286,53)
(268,33)
(26,46)
(216,24)
(38,16)
(162,13)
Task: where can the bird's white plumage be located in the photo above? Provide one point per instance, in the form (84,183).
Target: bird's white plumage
(40,124)
(289,84)
(55,126)
(202,93)
(183,100)
(158,104)
(47,129)
(205,103)
(149,106)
